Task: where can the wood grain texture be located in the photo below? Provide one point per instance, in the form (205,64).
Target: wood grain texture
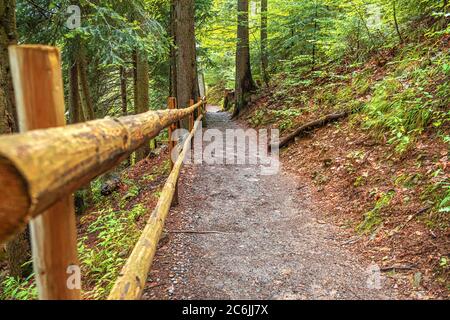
(36,72)
(55,162)
(133,276)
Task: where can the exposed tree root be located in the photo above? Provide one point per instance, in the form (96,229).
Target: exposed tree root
(311,125)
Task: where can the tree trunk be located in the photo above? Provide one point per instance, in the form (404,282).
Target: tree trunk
(186,66)
(8,36)
(17,250)
(264,55)
(124,97)
(314,48)
(358,39)
(141,96)
(76,114)
(74,93)
(123,90)
(85,89)
(244,80)
(86,114)
(364,22)
(173,53)
(397,28)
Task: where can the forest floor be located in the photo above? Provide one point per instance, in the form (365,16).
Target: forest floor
(386,199)
(352,174)
(239,235)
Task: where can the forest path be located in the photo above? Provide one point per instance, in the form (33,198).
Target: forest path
(270,242)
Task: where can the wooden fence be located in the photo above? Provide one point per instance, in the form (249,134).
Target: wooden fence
(41,167)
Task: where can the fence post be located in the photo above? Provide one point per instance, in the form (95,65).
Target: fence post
(191,116)
(172,104)
(38,87)
(200,108)
(191,121)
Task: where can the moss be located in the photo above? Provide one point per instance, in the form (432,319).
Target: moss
(372,218)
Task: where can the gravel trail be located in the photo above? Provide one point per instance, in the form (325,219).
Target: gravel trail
(254,237)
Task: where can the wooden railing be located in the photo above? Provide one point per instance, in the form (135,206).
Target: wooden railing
(41,167)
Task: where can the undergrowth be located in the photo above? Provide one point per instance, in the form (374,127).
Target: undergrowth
(395,102)
(116,233)
(405,103)
(373,218)
(106,243)
(18,289)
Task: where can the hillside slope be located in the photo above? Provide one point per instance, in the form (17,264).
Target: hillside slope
(382,174)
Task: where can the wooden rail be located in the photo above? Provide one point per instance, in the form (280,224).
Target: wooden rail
(133,277)
(40,169)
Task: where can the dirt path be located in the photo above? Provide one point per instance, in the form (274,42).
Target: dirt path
(271,243)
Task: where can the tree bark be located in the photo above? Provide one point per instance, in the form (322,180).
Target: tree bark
(123,90)
(244,80)
(76,114)
(18,252)
(74,92)
(124,97)
(264,54)
(314,48)
(18,249)
(397,28)
(141,96)
(84,83)
(8,36)
(186,66)
(173,53)
(312,125)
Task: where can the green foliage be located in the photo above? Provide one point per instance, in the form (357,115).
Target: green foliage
(360,181)
(405,103)
(323,54)
(444,205)
(164,169)
(18,289)
(284,117)
(133,192)
(116,233)
(96,186)
(408,180)
(149,177)
(443,263)
(110,32)
(437,196)
(303,35)
(362,82)
(373,219)
(112,28)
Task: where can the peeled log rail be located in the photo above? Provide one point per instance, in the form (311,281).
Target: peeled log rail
(312,125)
(39,92)
(134,274)
(39,167)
